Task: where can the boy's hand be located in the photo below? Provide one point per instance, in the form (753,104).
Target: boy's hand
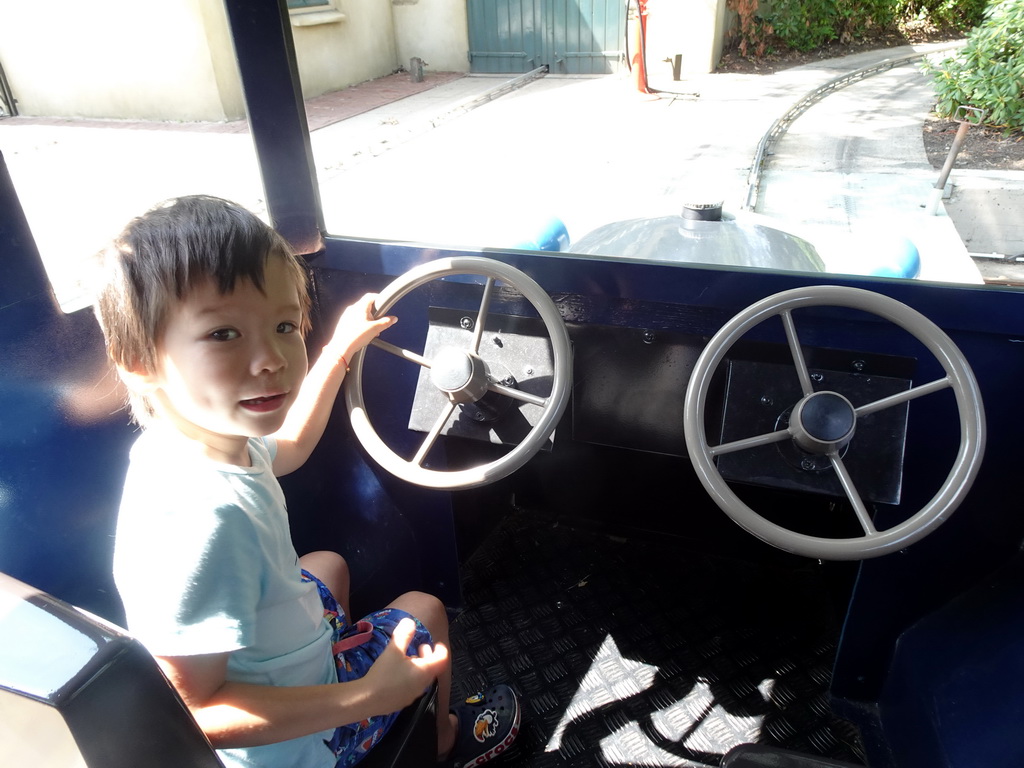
(356,328)
(308,415)
(398,679)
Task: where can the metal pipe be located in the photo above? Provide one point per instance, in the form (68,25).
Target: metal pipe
(8,103)
(954,150)
(963,115)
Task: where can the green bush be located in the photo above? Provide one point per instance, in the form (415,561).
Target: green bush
(809,24)
(805,25)
(988,72)
(960,15)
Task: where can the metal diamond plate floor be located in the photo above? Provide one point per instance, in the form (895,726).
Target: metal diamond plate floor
(639,653)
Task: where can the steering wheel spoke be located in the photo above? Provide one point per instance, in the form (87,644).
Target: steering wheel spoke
(405,354)
(481,315)
(516,394)
(432,435)
(749,442)
(859,509)
(797,352)
(904,397)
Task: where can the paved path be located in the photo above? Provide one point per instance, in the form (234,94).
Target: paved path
(852,172)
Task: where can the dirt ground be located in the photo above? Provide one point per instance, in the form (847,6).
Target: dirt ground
(982,149)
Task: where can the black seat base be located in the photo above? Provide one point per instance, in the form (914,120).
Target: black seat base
(412,740)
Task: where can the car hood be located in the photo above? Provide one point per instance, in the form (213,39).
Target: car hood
(730,241)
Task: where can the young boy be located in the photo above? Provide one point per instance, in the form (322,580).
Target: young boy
(204,309)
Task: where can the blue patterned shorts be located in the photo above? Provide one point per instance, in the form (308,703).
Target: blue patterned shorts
(356,647)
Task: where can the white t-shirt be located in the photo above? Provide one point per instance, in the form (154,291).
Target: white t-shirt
(204,564)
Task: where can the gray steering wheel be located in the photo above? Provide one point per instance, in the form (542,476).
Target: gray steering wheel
(824,422)
(463,376)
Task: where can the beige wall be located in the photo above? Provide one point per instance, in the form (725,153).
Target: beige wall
(173,60)
(117,58)
(695,30)
(359,47)
(222,59)
(436,31)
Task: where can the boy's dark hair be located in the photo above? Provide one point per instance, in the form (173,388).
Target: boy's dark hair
(166,252)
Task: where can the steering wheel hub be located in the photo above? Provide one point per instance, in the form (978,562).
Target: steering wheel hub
(459,373)
(823,422)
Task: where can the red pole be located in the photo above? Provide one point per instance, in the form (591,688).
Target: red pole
(637,63)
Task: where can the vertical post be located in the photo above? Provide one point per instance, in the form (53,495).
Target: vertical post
(966,116)
(416,69)
(261,32)
(638,40)
(22,275)
(7,101)
(677,66)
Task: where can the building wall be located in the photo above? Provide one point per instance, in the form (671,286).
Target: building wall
(358,47)
(436,31)
(172,59)
(112,59)
(694,30)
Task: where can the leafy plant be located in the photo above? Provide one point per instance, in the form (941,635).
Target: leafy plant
(754,31)
(805,24)
(809,24)
(960,15)
(988,72)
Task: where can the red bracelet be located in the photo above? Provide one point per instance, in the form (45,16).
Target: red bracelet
(328,351)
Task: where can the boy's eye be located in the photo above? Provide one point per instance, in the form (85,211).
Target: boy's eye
(287,327)
(224,334)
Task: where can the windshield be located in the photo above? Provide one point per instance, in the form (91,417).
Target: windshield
(467,130)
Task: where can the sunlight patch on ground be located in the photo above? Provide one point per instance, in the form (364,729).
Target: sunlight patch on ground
(610,678)
(692,725)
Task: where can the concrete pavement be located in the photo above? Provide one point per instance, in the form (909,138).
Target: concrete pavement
(475,160)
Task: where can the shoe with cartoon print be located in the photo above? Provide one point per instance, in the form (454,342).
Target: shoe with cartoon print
(488,724)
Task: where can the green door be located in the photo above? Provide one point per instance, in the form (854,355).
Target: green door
(569,36)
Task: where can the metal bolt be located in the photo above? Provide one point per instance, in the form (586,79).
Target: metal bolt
(807,465)
(466,323)
(648,337)
(765,400)
(529,371)
(817,377)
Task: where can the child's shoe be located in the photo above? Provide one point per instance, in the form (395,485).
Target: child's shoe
(488,724)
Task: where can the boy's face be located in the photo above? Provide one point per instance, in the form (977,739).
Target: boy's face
(229,366)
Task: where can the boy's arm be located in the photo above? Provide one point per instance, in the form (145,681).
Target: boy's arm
(308,417)
(242,715)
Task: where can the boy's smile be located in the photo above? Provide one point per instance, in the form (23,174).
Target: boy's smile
(263,404)
(229,366)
